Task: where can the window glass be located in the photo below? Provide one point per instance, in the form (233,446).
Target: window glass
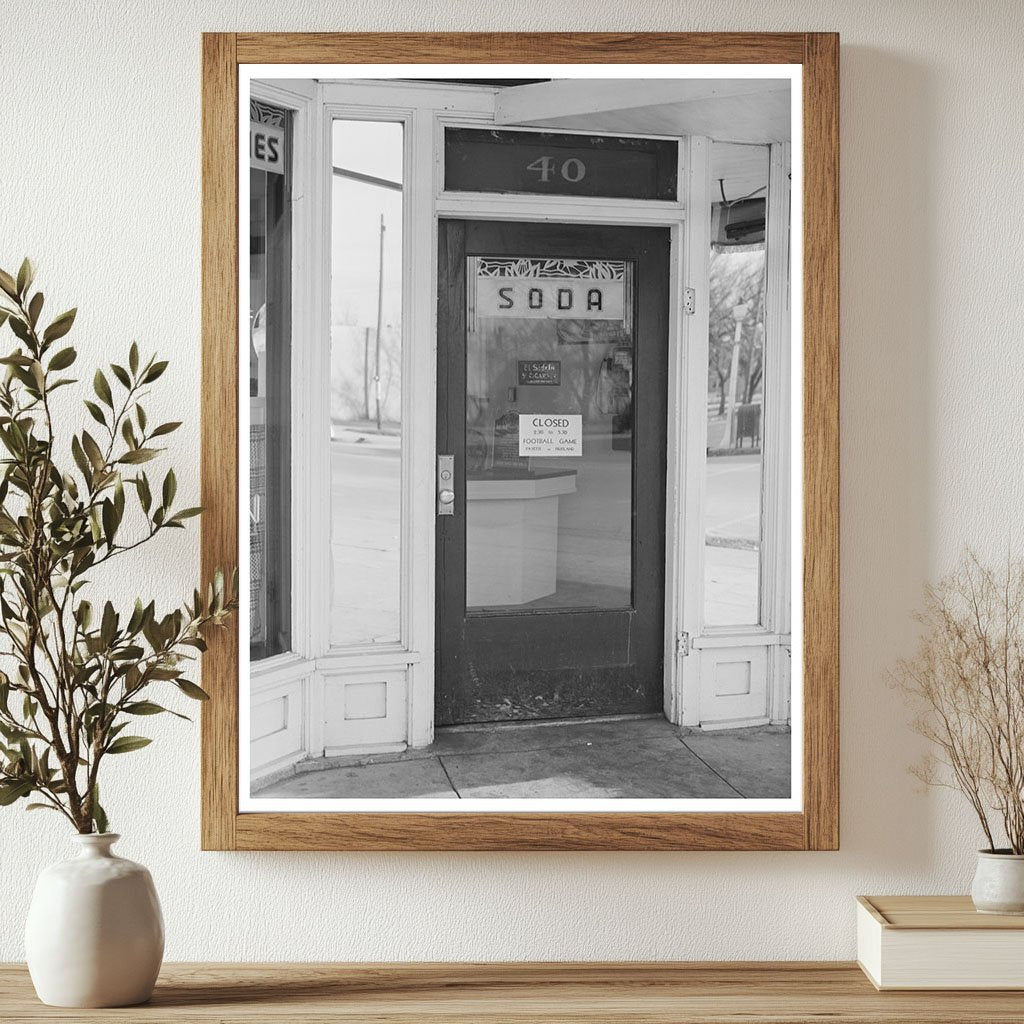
(735,407)
(269,382)
(366,382)
(549,434)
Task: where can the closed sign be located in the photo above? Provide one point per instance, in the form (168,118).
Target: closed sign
(555,298)
(550,435)
(266,148)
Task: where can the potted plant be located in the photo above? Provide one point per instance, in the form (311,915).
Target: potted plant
(80,672)
(967,680)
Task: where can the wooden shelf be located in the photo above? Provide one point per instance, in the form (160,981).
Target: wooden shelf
(793,993)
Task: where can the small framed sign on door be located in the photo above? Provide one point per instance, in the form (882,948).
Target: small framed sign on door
(520,419)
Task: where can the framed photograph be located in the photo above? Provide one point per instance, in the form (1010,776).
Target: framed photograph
(520,420)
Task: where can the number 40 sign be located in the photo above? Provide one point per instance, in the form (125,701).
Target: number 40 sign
(549,163)
(545,167)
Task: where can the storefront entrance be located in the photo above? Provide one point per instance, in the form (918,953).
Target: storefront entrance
(521,443)
(551,441)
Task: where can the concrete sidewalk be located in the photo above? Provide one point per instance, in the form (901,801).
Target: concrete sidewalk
(635,758)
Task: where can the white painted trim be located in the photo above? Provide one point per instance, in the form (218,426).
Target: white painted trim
(311,427)
(384,96)
(280,669)
(311,398)
(342,660)
(776,461)
(780,668)
(735,723)
(691,455)
(538,209)
(738,639)
(563,98)
(676,369)
(292,93)
(284,746)
(481,118)
(419,425)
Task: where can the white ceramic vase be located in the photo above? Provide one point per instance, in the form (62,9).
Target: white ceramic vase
(999,883)
(95,934)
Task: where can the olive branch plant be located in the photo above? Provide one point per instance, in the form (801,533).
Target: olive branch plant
(80,674)
(966,681)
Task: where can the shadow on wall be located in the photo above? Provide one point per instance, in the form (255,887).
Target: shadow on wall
(888,317)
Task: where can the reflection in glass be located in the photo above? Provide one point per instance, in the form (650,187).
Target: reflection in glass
(366,382)
(270,402)
(735,407)
(549,439)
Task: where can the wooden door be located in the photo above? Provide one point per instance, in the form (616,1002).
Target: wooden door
(552,404)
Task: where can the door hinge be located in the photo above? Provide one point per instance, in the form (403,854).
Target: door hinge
(683,645)
(689,301)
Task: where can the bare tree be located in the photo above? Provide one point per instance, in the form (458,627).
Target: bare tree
(736,278)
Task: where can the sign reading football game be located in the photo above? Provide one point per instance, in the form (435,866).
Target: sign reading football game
(550,435)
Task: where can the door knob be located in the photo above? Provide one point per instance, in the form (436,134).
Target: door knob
(445,483)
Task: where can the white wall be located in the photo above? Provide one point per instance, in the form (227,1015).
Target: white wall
(99,181)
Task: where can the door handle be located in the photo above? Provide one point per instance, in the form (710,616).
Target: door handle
(446,485)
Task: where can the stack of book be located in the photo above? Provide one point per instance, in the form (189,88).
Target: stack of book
(938,942)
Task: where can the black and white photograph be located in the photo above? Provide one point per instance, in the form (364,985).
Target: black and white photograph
(519,438)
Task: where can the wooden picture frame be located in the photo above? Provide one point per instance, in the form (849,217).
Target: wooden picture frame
(816,826)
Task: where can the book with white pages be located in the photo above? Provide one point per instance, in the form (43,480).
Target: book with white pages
(938,942)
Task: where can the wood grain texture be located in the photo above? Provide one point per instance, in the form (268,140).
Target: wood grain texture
(521,48)
(818,826)
(219,429)
(665,993)
(520,831)
(941,913)
(821,441)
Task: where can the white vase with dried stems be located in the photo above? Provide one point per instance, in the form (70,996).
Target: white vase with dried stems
(966,681)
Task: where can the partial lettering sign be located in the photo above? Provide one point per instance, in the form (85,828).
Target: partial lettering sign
(266,148)
(549,435)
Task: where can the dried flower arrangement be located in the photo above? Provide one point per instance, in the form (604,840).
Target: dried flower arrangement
(967,682)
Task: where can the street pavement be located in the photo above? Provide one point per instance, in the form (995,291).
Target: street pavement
(631,758)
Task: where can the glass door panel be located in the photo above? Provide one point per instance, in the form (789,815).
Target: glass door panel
(549,434)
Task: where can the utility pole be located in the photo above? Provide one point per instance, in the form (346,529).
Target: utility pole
(739,312)
(366,373)
(380,310)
